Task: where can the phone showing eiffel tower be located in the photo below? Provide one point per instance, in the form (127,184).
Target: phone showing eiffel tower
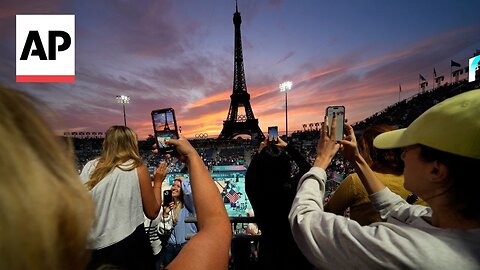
(165,128)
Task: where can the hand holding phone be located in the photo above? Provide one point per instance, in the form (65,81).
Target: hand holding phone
(165,128)
(339,113)
(183,149)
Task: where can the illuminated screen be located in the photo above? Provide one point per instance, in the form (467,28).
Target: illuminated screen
(230,181)
(474,68)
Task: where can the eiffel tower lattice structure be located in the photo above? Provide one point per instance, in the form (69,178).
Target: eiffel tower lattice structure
(236,124)
(166,127)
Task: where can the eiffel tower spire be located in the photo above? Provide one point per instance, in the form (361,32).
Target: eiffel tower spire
(236,124)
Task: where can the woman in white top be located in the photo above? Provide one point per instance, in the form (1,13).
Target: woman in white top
(122,193)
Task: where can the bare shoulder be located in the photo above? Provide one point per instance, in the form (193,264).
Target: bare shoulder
(142,171)
(142,166)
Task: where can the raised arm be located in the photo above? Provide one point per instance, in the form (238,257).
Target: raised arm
(381,197)
(301,161)
(151,197)
(187,196)
(209,248)
(349,149)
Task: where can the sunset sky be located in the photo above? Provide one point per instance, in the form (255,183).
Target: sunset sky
(179,54)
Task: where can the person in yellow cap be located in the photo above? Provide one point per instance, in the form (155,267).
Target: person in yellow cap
(440,150)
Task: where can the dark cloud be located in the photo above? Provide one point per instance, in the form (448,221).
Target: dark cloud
(425,55)
(351,73)
(289,54)
(144,28)
(212,108)
(275,3)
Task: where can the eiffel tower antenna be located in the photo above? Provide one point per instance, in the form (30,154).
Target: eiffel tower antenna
(236,124)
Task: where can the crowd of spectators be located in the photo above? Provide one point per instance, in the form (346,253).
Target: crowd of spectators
(239,151)
(402,113)
(214,153)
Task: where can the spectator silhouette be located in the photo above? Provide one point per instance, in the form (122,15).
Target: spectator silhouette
(270,183)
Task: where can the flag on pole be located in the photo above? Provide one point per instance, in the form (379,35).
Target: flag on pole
(454,64)
(458,72)
(434,73)
(421,77)
(399,91)
(439,79)
(233,196)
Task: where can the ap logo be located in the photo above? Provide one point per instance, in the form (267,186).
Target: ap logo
(45,48)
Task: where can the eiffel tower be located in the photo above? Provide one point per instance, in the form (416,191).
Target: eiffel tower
(240,124)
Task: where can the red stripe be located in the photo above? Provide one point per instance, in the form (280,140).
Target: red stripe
(233,197)
(45,78)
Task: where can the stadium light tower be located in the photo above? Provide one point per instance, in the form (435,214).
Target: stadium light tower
(123,100)
(285,87)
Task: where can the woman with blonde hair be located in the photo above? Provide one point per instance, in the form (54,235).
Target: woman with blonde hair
(388,167)
(121,188)
(173,216)
(46,212)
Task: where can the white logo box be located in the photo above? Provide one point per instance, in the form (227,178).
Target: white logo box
(62,69)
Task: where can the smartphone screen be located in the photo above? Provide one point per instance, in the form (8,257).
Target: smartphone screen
(273,134)
(339,112)
(165,128)
(167,197)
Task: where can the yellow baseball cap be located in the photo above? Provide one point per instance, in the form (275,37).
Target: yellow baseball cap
(451,126)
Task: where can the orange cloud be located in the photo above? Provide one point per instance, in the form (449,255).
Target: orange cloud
(223,95)
(363,95)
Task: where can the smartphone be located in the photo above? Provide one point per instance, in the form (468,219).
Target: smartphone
(165,128)
(167,197)
(339,112)
(273,134)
